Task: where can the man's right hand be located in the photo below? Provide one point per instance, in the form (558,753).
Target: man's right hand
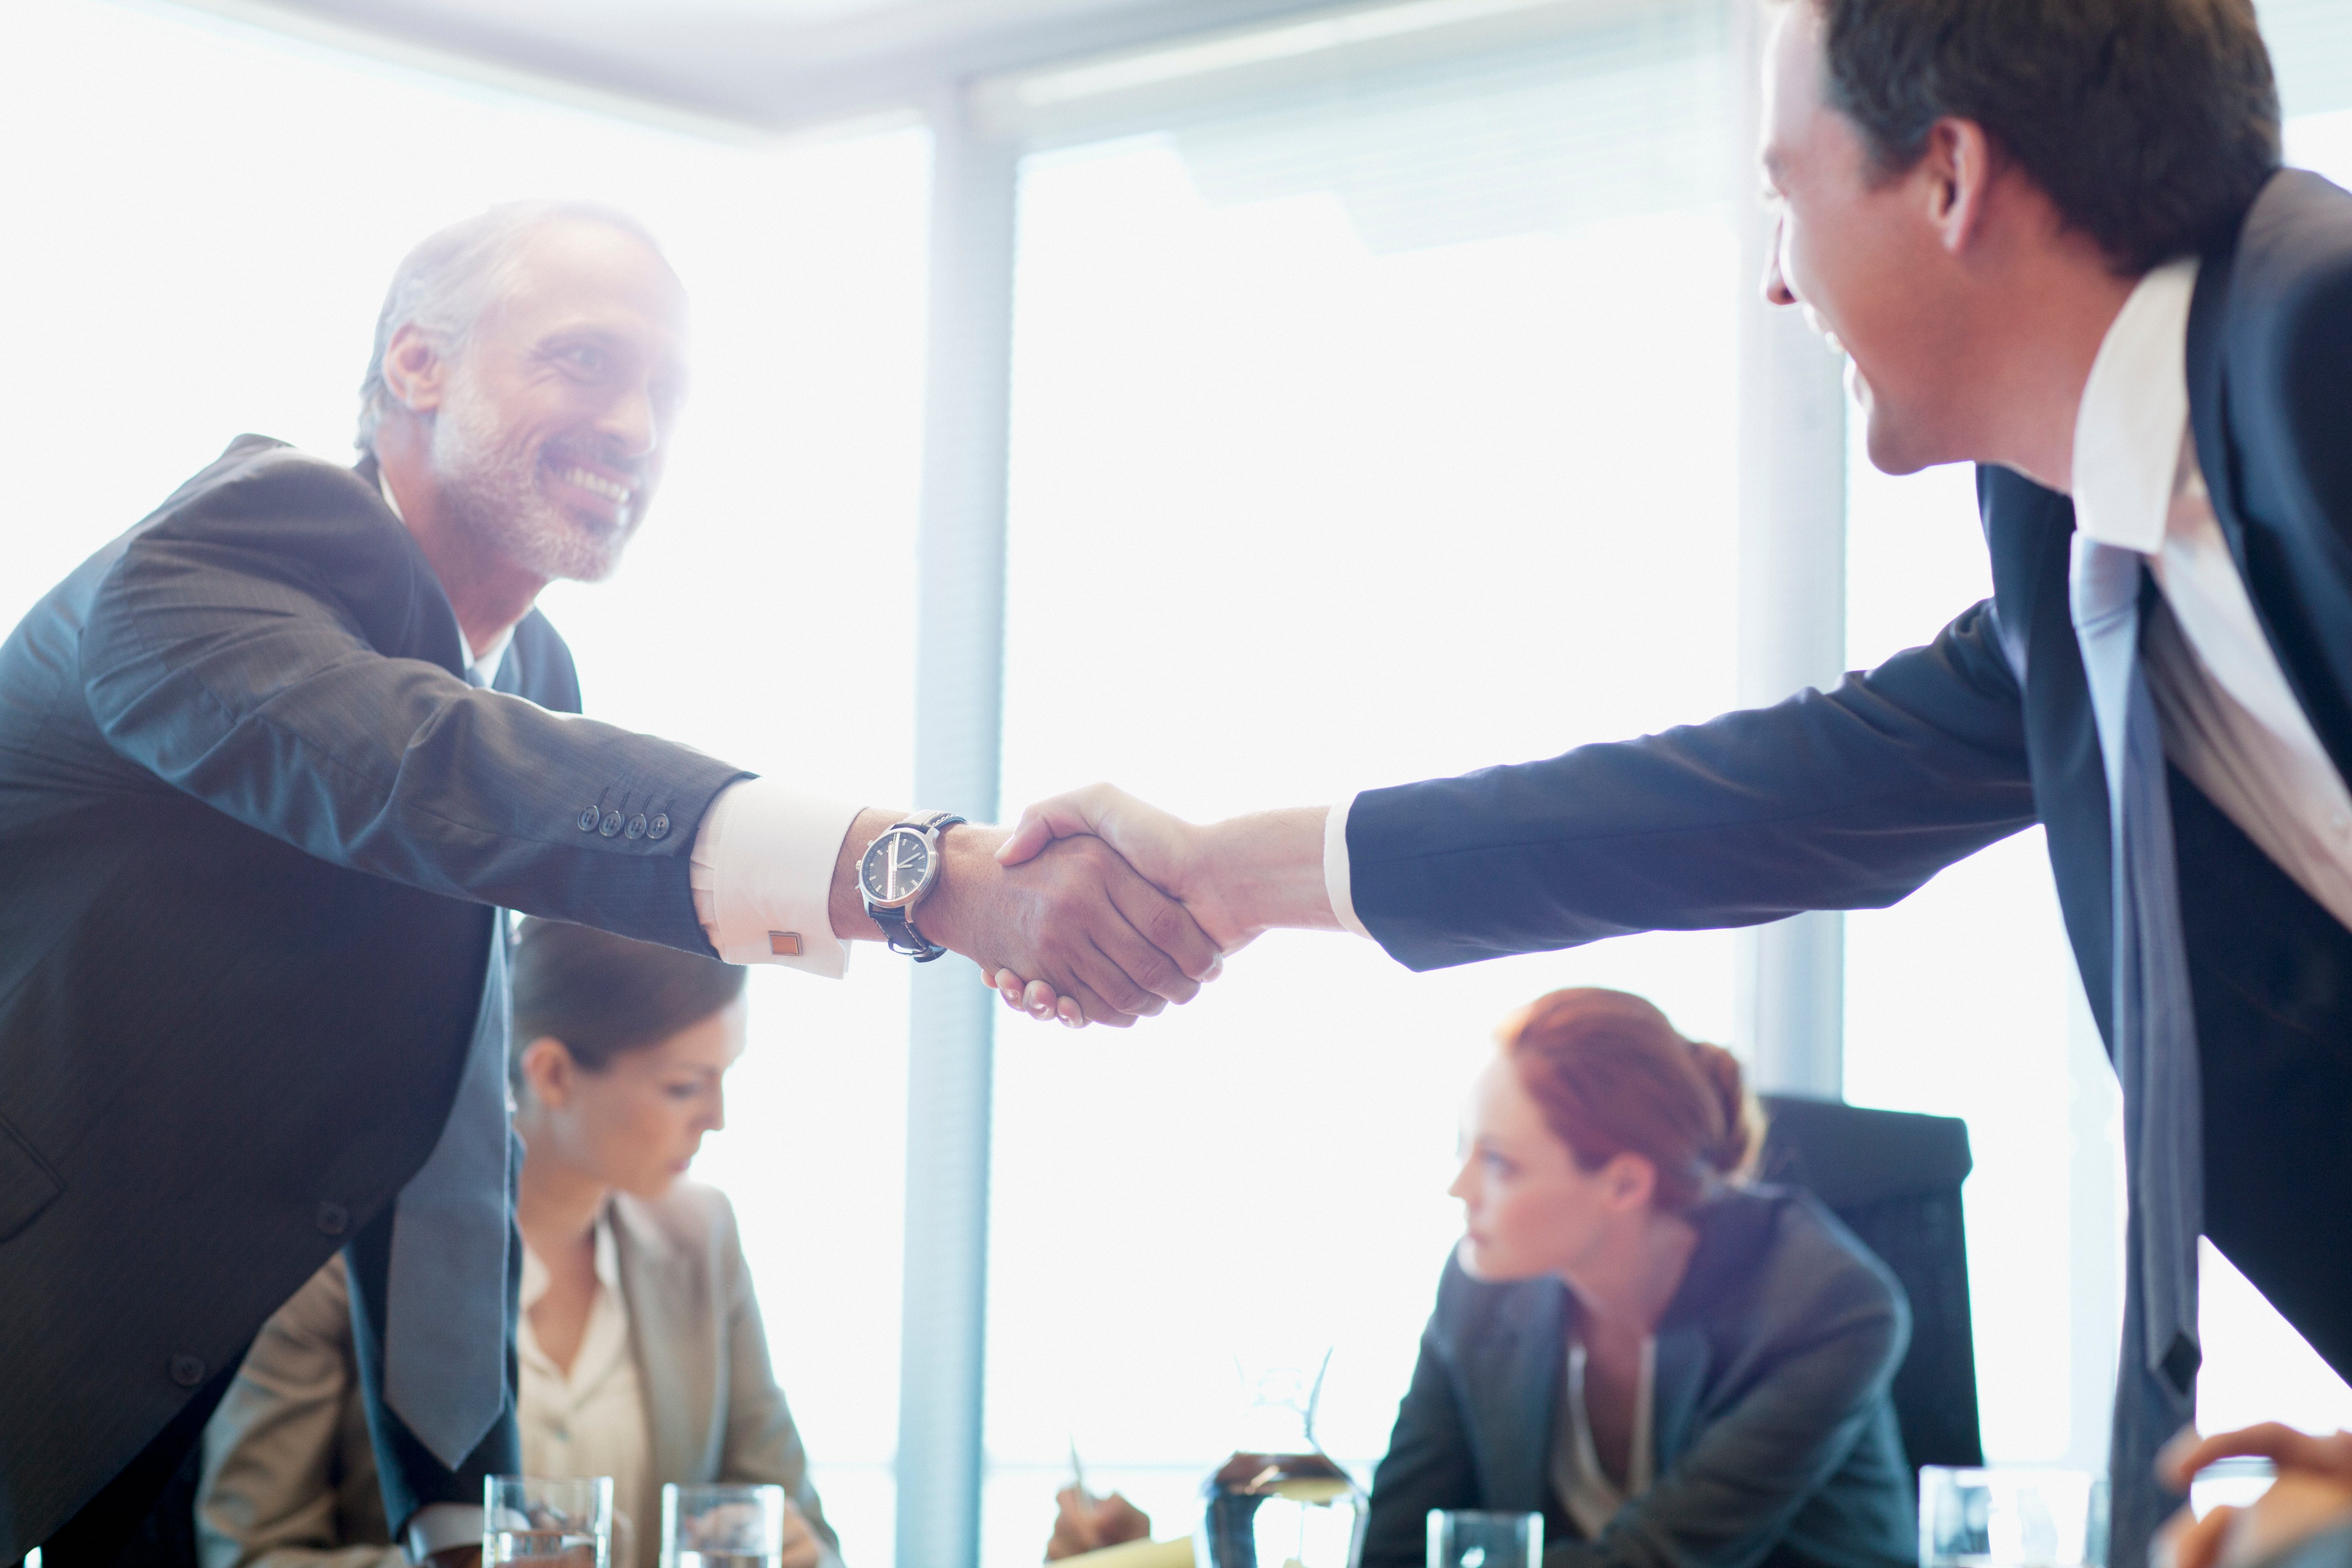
(1078,919)
(1238,879)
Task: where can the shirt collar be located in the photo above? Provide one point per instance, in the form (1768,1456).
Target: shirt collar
(487,660)
(535,1279)
(2134,414)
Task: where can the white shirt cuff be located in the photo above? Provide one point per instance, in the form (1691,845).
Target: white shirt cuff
(762,876)
(439,1526)
(1335,867)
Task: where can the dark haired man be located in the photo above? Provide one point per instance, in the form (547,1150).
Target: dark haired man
(2054,238)
(268,764)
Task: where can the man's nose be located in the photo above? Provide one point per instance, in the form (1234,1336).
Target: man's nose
(717,1121)
(633,423)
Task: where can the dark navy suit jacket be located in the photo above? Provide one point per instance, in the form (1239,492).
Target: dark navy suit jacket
(1773,1433)
(254,829)
(1852,798)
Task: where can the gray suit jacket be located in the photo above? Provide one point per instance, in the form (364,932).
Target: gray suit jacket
(288,1475)
(1775,1436)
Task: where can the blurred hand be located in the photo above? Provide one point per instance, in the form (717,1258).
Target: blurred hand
(1088,1523)
(803,1548)
(1073,915)
(2313,1492)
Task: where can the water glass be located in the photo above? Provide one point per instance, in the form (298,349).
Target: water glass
(722,1526)
(2011,1518)
(547,1522)
(1466,1538)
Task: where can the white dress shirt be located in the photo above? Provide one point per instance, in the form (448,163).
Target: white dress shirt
(2231,721)
(588,1420)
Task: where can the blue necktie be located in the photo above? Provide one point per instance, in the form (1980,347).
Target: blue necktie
(2154,1040)
(445,1296)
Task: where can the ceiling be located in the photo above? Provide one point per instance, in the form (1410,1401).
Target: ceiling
(774,64)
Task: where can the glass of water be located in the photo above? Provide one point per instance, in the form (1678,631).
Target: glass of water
(1466,1538)
(547,1522)
(722,1526)
(2011,1518)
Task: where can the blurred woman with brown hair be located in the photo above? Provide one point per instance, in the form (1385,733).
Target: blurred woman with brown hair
(1672,1365)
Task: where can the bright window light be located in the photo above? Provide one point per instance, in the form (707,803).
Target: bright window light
(1307,497)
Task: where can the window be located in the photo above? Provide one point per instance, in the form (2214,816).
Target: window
(205,217)
(1382,431)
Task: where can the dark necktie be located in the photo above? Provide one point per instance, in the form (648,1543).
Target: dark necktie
(2154,1041)
(444,1295)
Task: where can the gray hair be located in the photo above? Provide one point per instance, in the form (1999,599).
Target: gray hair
(445,285)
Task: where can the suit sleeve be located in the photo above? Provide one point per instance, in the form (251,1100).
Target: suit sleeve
(233,652)
(266,1498)
(764,1444)
(1728,1499)
(1849,799)
(1428,1466)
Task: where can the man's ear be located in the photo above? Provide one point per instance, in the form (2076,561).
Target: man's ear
(1955,171)
(413,370)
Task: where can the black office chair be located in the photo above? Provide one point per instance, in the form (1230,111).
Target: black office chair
(1894,1179)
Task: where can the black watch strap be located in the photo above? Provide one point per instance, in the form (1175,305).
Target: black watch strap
(898,925)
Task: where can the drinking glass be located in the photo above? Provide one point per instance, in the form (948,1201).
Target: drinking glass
(547,1522)
(1469,1537)
(722,1526)
(2011,1518)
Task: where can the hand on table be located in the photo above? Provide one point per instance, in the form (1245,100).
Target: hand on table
(1087,1523)
(1110,946)
(2313,1492)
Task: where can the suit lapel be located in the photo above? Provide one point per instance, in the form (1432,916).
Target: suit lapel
(1680,1371)
(672,1330)
(1513,1375)
(2029,532)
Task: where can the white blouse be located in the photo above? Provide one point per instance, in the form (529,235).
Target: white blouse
(590,1421)
(1585,1490)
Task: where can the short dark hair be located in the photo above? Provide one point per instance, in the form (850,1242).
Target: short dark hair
(2152,123)
(604,996)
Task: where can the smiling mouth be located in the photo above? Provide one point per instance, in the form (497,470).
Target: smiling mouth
(594,484)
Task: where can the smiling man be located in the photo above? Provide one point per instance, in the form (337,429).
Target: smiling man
(2055,239)
(270,763)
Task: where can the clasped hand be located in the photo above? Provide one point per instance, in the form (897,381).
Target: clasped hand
(1103,943)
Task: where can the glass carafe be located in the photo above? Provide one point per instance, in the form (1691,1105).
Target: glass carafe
(1280,1501)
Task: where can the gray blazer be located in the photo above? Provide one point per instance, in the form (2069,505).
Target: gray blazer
(289,1474)
(1775,1436)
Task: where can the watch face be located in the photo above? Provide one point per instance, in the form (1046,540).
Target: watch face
(895,865)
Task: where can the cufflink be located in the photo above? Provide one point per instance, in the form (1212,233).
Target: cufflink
(784,944)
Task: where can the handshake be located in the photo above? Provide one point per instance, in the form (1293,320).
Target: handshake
(1099,908)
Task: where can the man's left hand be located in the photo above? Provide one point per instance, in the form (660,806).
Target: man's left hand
(2313,1492)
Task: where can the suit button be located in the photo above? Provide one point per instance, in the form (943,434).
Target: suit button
(611,824)
(188,1371)
(334,1218)
(637,825)
(659,827)
(588,820)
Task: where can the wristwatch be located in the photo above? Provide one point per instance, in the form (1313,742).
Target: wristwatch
(898,870)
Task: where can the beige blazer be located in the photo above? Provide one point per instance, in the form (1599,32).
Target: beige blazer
(288,1475)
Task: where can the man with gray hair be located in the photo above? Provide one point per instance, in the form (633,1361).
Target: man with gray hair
(270,764)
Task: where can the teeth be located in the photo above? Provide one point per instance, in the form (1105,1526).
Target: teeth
(593,485)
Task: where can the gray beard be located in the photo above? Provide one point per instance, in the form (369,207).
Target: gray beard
(490,488)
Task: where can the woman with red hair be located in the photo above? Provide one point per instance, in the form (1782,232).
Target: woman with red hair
(1674,1367)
